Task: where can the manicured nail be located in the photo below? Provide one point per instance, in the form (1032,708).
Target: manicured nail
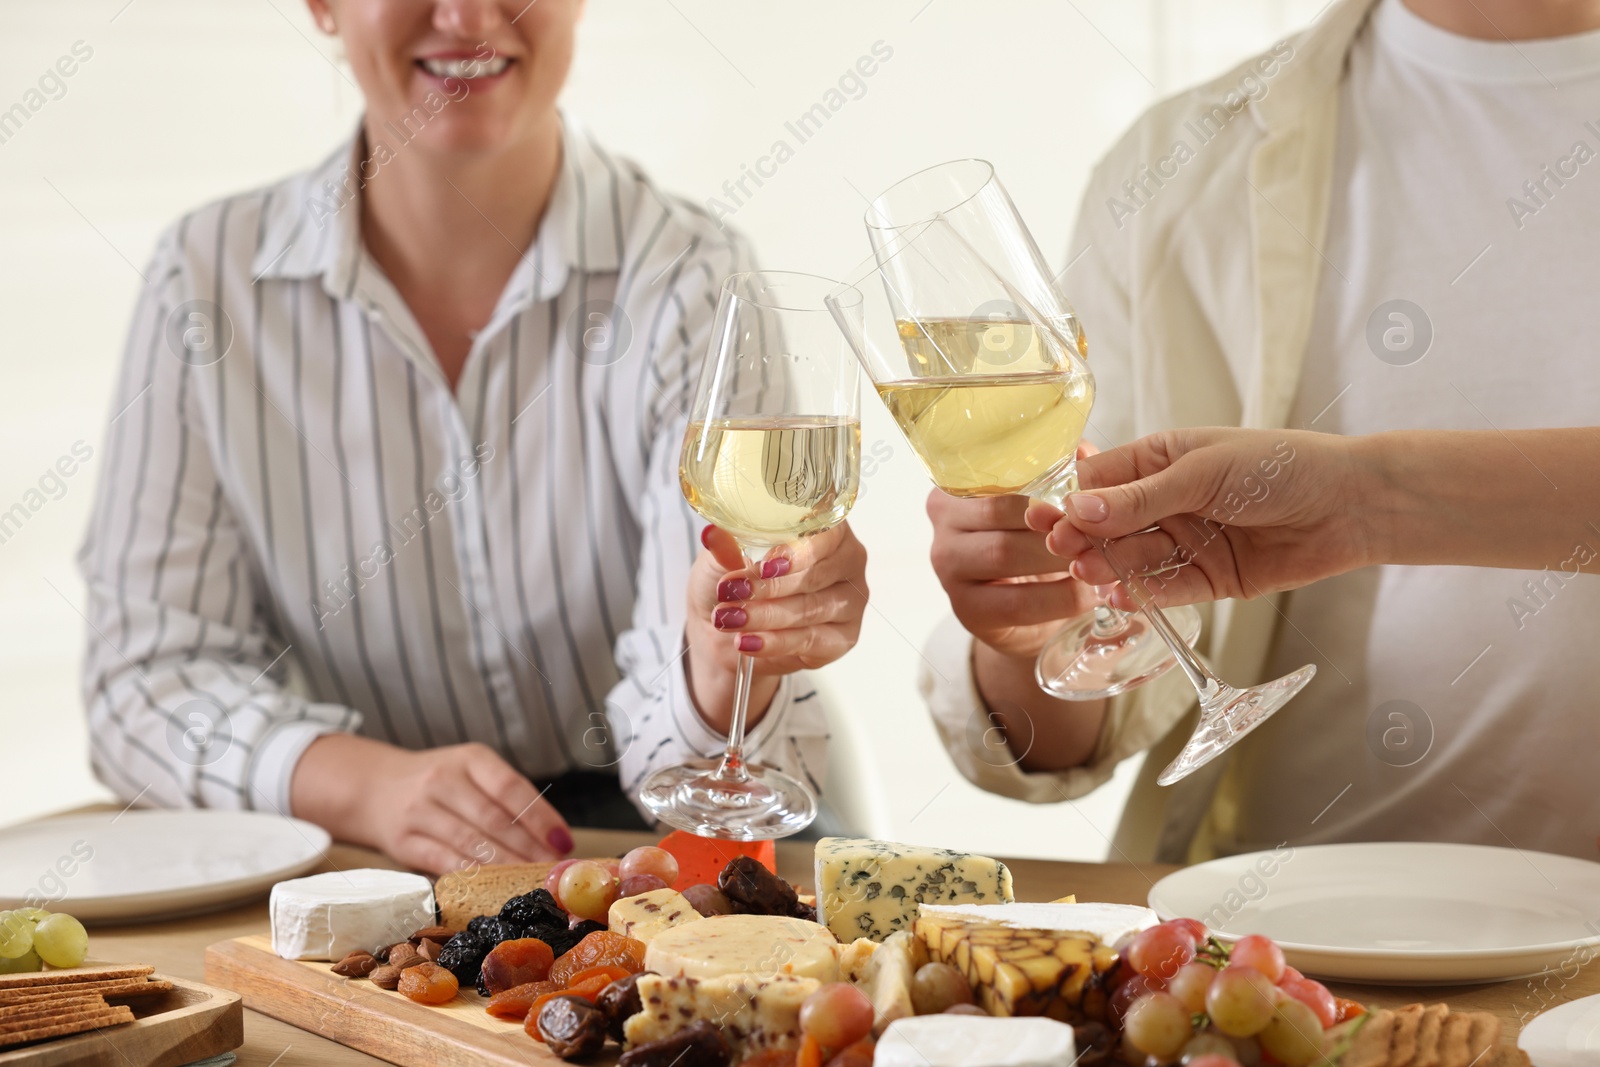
(750,643)
(1088,508)
(729,618)
(733,589)
(705,535)
(775,568)
(560,840)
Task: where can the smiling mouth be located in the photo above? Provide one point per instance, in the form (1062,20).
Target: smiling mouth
(465,69)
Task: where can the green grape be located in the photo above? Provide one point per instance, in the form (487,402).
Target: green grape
(33,915)
(1158,1024)
(16,935)
(28,961)
(61,941)
(1294,1036)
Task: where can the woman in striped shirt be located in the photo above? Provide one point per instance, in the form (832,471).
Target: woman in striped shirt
(392,538)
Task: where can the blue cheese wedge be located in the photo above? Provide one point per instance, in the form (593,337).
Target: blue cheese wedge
(868,888)
(975,1041)
(1106,923)
(754,1012)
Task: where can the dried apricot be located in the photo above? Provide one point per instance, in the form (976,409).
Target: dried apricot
(514,1003)
(429,983)
(589,988)
(770,1057)
(601,948)
(516,962)
(611,972)
(856,1055)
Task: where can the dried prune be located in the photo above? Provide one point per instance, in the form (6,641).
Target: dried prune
(463,956)
(754,890)
(700,1045)
(619,1000)
(533,909)
(493,929)
(572,1027)
(514,963)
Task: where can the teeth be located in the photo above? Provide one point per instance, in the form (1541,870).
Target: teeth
(465,68)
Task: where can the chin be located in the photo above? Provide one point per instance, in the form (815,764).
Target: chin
(447,133)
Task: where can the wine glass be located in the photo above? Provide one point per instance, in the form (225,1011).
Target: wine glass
(985,376)
(772,454)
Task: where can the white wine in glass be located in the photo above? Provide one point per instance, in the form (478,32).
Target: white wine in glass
(772,454)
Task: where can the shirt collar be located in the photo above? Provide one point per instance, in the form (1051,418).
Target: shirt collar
(311,223)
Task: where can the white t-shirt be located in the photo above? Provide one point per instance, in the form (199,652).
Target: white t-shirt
(1451,703)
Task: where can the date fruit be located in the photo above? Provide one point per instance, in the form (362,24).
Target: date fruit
(572,1027)
(619,1000)
(700,1045)
(754,890)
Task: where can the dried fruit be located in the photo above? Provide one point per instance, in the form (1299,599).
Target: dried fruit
(619,1000)
(514,963)
(708,900)
(610,972)
(428,983)
(754,890)
(572,1027)
(463,955)
(700,1045)
(515,1002)
(598,949)
(856,1055)
(357,964)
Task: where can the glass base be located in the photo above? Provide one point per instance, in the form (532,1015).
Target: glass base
(1227,715)
(1080,664)
(766,804)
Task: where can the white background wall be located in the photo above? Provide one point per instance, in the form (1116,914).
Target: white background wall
(187,100)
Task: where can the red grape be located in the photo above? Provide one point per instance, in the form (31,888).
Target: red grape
(1313,995)
(1293,1036)
(1197,929)
(1240,1001)
(634,884)
(1289,972)
(1159,951)
(648,859)
(552,881)
(1158,1024)
(587,890)
(1126,993)
(1189,985)
(1261,954)
(837,1014)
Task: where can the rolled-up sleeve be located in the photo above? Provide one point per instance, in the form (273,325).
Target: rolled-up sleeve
(184,678)
(652,713)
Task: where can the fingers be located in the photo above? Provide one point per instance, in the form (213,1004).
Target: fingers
(512,810)
(1187,585)
(812,646)
(977,513)
(1119,510)
(1150,552)
(829,558)
(992,554)
(723,547)
(1041,517)
(840,602)
(1022,603)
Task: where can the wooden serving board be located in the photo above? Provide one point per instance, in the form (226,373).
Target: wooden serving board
(354,1012)
(188,1022)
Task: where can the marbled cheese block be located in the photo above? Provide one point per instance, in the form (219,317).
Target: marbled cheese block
(1018,971)
(1108,923)
(745,944)
(868,888)
(645,915)
(753,1012)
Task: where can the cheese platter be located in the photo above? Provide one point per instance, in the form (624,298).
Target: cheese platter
(904,955)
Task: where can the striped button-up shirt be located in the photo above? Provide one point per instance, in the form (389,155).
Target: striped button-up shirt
(303,529)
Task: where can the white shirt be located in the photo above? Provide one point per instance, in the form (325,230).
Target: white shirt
(313,533)
(1438,136)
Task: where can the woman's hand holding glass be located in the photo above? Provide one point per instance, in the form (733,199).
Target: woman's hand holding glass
(798,609)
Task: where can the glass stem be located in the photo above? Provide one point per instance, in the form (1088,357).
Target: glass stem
(732,768)
(1109,623)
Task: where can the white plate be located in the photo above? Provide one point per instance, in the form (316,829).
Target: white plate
(1565,1036)
(1402,912)
(151,864)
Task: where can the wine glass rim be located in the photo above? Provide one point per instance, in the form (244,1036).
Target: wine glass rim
(989,179)
(731,286)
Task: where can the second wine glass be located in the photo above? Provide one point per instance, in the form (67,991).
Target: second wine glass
(772,454)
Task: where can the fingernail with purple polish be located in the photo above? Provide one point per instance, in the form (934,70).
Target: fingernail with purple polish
(750,643)
(560,840)
(733,589)
(775,568)
(729,618)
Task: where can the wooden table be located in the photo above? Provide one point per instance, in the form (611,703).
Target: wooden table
(176,947)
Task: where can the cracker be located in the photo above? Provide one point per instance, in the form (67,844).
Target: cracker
(1428,1031)
(464,895)
(13,1016)
(110,1017)
(1453,1040)
(125,987)
(1483,1037)
(27,1007)
(1371,1045)
(68,977)
(51,1018)
(1403,1036)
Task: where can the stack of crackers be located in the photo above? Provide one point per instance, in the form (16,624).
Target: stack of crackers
(1431,1036)
(44,1004)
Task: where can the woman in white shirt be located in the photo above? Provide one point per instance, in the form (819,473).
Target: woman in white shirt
(392,538)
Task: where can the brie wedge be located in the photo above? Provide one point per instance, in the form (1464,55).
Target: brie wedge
(975,1041)
(328,916)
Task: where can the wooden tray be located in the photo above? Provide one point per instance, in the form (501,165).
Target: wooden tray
(354,1012)
(190,1022)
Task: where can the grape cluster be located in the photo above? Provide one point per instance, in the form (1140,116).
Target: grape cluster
(31,938)
(1185,997)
